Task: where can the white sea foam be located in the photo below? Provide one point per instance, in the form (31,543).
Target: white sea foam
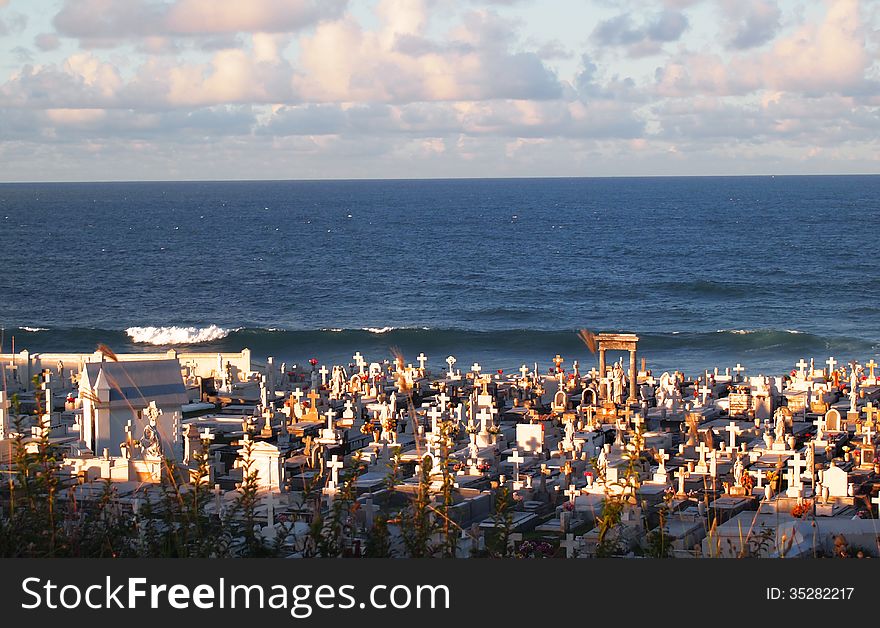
(738,332)
(177,335)
(379,330)
(33,329)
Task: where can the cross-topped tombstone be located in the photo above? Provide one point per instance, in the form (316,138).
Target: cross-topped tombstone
(831,362)
(484,417)
(704,391)
(703,450)
(451,362)
(422,359)
(435,414)
(570,544)
(476,368)
(324,372)
(524,371)
(802,369)
(359,361)
(572,492)
(331,415)
(797,465)
(335,465)
(443,398)
(516,459)
(872,380)
(738,369)
(733,430)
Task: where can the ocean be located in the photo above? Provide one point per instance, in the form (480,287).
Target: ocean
(708,271)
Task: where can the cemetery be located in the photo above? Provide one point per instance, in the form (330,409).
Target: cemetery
(215,455)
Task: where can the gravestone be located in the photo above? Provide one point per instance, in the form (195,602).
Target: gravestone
(530,438)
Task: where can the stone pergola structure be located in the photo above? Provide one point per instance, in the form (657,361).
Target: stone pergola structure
(620,342)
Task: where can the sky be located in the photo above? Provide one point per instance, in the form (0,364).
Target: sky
(314,89)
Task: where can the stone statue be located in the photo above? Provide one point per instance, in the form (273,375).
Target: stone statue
(738,469)
(780,427)
(853,389)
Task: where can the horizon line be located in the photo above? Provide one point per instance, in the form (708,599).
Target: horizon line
(463,178)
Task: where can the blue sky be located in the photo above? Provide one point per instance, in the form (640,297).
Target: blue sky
(277,89)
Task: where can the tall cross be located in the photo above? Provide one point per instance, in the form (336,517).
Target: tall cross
(802,368)
(451,361)
(516,459)
(483,416)
(207,435)
(323,373)
(313,398)
(739,368)
(434,414)
(681,475)
(298,393)
(476,368)
(335,465)
(359,361)
(759,476)
(733,430)
(705,392)
(662,456)
(703,451)
(871,365)
(330,414)
(831,362)
(422,359)
(524,370)
(869,435)
(572,492)
(797,467)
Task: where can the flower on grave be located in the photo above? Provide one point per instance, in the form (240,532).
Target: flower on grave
(800,510)
(368,428)
(588,474)
(501,371)
(484,465)
(314,361)
(493,429)
(568,506)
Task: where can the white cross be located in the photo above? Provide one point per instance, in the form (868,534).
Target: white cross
(739,368)
(705,392)
(733,431)
(681,475)
(662,456)
(422,359)
(797,466)
(484,417)
(802,368)
(434,414)
(443,398)
(871,412)
(869,434)
(359,360)
(323,373)
(759,476)
(330,414)
(516,459)
(594,374)
(335,465)
(871,365)
(572,492)
(476,368)
(524,371)
(451,361)
(830,362)
(298,393)
(207,435)
(570,544)
(153,412)
(703,451)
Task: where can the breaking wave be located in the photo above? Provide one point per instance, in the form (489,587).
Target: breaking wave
(177,335)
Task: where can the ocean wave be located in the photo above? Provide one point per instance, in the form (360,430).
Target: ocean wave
(378,330)
(34,330)
(177,335)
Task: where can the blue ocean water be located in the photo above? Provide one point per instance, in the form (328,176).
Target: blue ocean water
(709,271)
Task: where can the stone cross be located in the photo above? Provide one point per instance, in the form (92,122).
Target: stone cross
(323,373)
(335,465)
(451,361)
(797,468)
(298,393)
(570,544)
(422,359)
(359,360)
(443,398)
(681,474)
(153,412)
(871,365)
(572,492)
(207,435)
(802,368)
(330,414)
(524,371)
(705,391)
(759,476)
(662,456)
(703,451)
(831,362)
(483,416)
(871,412)
(313,399)
(739,368)
(868,434)
(516,459)
(476,368)
(733,431)
(434,414)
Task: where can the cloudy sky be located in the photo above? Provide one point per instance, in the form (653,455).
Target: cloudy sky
(281,89)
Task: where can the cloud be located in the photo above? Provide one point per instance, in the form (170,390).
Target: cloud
(116,20)
(753,22)
(47,41)
(642,40)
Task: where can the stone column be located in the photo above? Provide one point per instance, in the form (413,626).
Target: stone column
(599,386)
(633,394)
